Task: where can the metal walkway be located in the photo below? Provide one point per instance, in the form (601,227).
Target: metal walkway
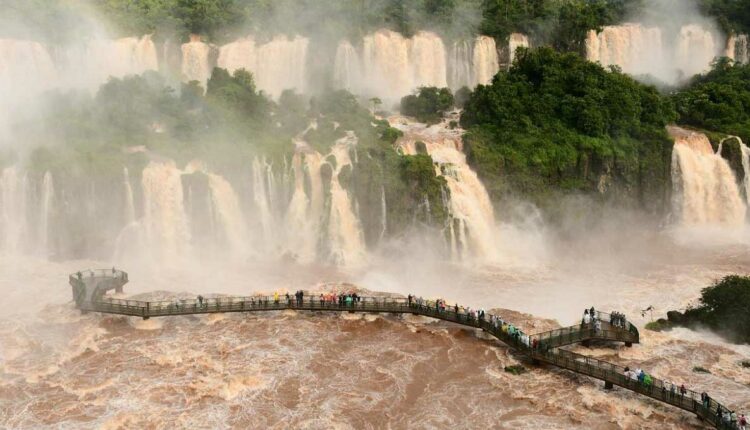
(90,287)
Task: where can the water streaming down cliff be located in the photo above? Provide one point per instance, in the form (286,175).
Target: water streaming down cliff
(641,50)
(277,65)
(262,189)
(129,198)
(515,41)
(473,63)
(472,232)
(25,64)
(346,240)
(738,49)
(347,67)
(45,217)
(705,190)
(196,61)
(165,222)
(93,62)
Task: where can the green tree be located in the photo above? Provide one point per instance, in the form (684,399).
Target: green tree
(428,104)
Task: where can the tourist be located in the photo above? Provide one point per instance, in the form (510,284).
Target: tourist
(200,300)
(276,298)
(592,313)
(683,390)
(733,419)
(586,318)
(705,400)
(743,422)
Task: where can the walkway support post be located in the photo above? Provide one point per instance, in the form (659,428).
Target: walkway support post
(608,385)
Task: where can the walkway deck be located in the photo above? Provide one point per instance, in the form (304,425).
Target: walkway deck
(89,289)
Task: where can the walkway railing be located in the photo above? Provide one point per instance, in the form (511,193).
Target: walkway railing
(543,347)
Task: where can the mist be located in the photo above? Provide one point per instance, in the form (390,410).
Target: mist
(665,41)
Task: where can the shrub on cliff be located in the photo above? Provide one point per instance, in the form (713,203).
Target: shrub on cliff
(725,308)
(558,122)
(428,104)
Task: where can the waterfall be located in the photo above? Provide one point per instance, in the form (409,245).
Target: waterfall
(737,48)
(304,213)
(25,64)
(226,205)
(167,231)
(92,63)
(632,47)
(346,239)
(386,64)
(277,65)
(428,60)
(472,229)
(196,64)
(705,188)
(129,201)
(459,65)
(383,214)
(517,40)
(13,190)
(48,195)
(696,49)
(261,198)
(485,60)
(346,68)
(640,50)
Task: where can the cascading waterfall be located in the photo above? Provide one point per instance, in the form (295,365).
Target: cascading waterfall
(517,40)
(633,47)
(129,200)
(277,65)
(303,218)
(738,49)
(472,230)
(90,64)
(227,206)
(641,50)
(696,49)
(346,66)
(346,239)
(166,225)
(392,66)
(705,187)
(261,198)
(25,64)
(460,65)
(428,60)
(48,194)
(196,64)
(13,191)
(485,60)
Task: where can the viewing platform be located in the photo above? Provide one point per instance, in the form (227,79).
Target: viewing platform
(90,288)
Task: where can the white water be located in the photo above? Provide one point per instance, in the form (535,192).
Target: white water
(705,190)
(92,63)
(226,204)
(476,235)
(517,40)
(25,64)
(48,195)
(196,65)
(261,198)
(277,65)
(129,199)
(641,50)
(391,66)
(346,239)
(304,214)
(738,49)
(166,225)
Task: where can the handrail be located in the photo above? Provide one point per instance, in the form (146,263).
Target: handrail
(543,346)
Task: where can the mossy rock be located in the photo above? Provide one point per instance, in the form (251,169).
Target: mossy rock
(660,325)
(699,369)
(516,369)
